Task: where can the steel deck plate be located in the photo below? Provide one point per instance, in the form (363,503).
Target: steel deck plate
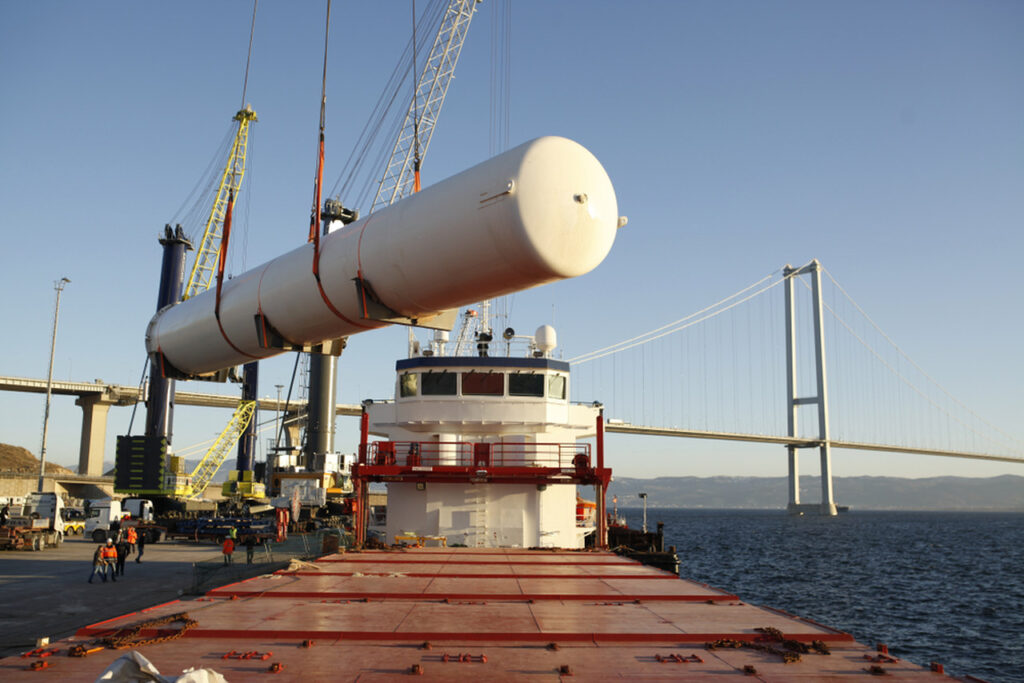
(507,614)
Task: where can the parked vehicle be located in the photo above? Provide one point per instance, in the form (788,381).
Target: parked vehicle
(74,521)
(40,524)
(137,512)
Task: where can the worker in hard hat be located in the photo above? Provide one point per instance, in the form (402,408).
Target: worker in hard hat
(109,554)
(99,565)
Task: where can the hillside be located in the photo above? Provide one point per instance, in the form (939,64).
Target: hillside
(861,493)
(18,459)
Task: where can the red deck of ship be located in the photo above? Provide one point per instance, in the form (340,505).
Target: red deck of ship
(517,614)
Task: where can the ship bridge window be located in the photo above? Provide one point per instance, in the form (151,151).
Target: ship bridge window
(556,387)
(483,384)
(438,384)
(408,384)
(526,384)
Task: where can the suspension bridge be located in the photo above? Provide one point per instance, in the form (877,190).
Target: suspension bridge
(806,370)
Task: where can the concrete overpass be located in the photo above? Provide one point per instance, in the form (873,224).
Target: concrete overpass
(20,484)
(95,398)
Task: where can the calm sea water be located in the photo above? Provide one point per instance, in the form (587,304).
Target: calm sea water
(934,586)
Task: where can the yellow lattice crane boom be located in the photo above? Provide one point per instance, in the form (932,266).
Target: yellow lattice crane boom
(205,265)
(204,472)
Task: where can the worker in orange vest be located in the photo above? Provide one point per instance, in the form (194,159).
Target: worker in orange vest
(132,538)
(109,555)
(229,548)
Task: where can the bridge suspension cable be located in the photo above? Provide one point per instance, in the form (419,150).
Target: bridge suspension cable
(713,310)
(917,367)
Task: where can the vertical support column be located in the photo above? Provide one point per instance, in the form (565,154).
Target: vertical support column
(599,492)
(360,517)
(791,402)
(321,408)
(250,392)
(94,434)
(828,505)
(160,400)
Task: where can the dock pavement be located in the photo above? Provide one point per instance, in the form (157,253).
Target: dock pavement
(46,593)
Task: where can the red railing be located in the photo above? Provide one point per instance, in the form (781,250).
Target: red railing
(484,454)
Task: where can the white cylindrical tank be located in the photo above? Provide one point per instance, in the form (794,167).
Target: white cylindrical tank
(541,212)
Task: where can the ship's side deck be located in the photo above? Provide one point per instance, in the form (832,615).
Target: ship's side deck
(462,613)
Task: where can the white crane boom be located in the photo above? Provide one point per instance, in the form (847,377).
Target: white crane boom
(431,88)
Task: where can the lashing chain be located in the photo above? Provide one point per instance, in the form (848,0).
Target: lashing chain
(126,638)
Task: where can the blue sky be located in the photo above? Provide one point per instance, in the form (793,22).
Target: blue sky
(884,139)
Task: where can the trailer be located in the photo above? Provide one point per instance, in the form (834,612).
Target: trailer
(40,524)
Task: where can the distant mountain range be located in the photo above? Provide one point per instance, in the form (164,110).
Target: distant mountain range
(860,493)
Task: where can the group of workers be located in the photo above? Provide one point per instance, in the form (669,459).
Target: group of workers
(110,557)
(228,547)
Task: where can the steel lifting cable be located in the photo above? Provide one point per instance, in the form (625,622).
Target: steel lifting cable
(314,218)
(245,87)
(248,59)
(222,257)
(367,152)
(315,215)
(204,186)
(142,381)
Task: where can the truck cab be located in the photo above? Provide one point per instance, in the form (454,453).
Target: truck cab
(101,513)
(46,506)
(104,512)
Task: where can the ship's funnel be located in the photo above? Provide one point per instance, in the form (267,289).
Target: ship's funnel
(541,212)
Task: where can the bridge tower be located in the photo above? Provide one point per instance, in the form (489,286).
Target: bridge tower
(793,402)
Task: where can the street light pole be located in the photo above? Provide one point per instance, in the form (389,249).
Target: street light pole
(59,286)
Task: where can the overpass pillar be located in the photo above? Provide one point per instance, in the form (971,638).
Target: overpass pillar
(293,431)
(94,433)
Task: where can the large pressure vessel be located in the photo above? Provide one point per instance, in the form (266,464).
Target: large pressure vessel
(541,212)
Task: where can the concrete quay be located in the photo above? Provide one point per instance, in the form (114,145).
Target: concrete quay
(46,594)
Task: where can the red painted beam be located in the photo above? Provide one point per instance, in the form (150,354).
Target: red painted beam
(476,636)
(346,558)
(602,598)
(428,575)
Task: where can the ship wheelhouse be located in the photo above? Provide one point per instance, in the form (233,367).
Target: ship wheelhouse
(482,451)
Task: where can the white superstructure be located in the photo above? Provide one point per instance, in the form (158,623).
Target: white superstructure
(483,451)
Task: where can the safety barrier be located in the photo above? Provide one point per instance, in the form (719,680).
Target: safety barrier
(468,454)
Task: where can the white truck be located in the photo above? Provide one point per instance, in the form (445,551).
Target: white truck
(137,512)
(40,524)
